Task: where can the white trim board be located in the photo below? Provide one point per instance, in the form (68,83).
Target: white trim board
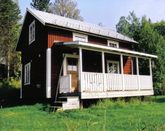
(113,94)
(106,48)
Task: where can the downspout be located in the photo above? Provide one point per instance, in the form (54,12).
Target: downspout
(21,82)
(48,73)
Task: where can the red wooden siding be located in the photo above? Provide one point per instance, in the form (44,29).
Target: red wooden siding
(126,46)
(97,40)
(58,35)
(128,65)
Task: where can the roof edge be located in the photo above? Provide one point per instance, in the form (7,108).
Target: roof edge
(39,19)
(81,44)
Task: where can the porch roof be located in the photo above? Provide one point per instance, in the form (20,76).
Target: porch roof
(106,48)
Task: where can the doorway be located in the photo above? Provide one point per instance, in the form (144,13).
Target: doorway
(71,68)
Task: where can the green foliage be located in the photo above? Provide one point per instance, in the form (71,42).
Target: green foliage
(9,29)
(12,83)
(66,8)
(160,27)
(150,40)
(131,116)
(42,5)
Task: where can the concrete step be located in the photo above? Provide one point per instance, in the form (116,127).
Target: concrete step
(67,103)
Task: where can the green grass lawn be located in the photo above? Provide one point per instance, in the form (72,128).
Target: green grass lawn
(106,115)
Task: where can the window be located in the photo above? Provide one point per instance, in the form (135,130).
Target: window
(27,74)
(32,32)
(113,67)
(80,37)
(113,44)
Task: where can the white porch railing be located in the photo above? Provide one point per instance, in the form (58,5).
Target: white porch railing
(114,82)
(65,84)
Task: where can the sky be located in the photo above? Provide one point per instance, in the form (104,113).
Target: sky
(108,12)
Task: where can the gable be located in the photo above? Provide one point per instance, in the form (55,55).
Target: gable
(48,19)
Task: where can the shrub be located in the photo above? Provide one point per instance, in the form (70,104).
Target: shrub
(12,83)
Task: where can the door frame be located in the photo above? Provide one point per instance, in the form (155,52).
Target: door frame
(65,62)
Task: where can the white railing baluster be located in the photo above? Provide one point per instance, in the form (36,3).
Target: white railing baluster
(97,81)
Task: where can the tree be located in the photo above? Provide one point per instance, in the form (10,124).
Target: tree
(160,27)
(9,16)
(129,25)
(42,5)
(150,40)
(66,8)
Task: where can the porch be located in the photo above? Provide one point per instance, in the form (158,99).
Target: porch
(105,73)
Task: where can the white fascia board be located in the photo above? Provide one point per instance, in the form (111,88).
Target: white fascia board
(90,45)
(35,15)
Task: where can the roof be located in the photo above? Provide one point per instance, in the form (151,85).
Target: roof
(52,19)
(106,48)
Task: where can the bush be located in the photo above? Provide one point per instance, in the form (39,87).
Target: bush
(12,83)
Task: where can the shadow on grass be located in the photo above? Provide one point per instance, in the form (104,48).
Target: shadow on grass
(160,99)
(10,97)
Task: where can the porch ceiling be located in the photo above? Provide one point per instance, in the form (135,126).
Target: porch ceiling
(78,44)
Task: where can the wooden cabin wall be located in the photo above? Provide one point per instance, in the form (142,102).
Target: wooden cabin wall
(97,40)
(55,68)
(127,65)
(36,54)
(58,35)
(126,46)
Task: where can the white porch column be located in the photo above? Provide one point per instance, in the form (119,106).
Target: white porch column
(103,62)
(80,69)
(48,73)
(122,72)
(137,72)
(103,70)
(150,66)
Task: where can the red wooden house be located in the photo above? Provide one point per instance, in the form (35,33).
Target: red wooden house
(65,57)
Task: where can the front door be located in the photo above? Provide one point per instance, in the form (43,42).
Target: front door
(72,69)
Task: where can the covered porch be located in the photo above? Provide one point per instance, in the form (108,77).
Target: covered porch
(97,71)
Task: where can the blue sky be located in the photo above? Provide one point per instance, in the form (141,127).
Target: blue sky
(108,12)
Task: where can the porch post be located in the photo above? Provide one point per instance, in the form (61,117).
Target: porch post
(122,72)
(150,66)
(80,69)
(103,70)
(103,62)
(48,73)
(137,71)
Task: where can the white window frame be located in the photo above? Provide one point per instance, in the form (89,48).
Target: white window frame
(115,62)
(32,32)
(80,37)
(109,42)
(27,72)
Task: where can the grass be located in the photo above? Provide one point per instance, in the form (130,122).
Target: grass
(105,115)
